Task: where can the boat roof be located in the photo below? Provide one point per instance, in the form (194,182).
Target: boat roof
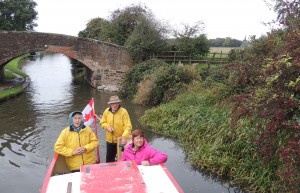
(116,177)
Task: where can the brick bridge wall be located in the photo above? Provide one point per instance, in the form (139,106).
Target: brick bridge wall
(107,62)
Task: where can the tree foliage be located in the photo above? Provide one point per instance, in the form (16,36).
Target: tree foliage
(189,31)
(146,38)
(124,21)
(97,28)
(118,27)
(134,27)
(17,15)
(224,42)
(191,40)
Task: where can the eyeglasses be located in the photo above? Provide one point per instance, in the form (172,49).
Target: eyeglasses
(139,138)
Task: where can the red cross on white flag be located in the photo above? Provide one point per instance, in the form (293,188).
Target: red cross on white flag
(90,117)
(89,113)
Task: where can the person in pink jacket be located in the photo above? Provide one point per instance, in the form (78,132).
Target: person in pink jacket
(141,152)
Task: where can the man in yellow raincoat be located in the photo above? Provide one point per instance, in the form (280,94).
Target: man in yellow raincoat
(116,122)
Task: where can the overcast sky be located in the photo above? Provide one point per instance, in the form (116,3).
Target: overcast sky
(222,18)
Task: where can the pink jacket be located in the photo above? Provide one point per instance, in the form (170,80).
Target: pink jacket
(146,152)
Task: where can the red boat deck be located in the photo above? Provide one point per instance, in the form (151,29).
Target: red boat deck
(117,177)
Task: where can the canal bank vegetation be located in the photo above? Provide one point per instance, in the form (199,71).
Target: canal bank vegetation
(240,120)
(200,121)
(9,89)
(14,66)
(10,93)
(154,82)
(8,75)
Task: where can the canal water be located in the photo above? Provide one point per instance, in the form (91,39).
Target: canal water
(31,123)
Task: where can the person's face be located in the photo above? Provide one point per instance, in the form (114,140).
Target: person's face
(114,106)
(138,141)
(77,119)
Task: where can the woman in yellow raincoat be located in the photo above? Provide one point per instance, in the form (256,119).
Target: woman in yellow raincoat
(77,143)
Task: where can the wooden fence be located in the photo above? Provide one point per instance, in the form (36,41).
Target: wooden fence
(181,57)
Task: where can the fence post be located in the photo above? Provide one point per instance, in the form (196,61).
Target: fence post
(2,74)
(174,57)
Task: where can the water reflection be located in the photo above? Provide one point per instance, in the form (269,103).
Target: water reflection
(51,88)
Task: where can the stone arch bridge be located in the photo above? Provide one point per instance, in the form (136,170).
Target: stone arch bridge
(106,63)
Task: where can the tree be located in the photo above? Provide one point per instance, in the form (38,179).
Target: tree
(147,38)
(191,41)
(133,27)
(224,42)
(218,42)
(189,31)
(124,22)
(97,28)
(17,15)
(201,47)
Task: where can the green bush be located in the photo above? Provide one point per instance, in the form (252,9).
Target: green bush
(164,84)
(136,74)
(169,81)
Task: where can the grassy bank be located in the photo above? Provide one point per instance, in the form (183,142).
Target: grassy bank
(9,76)
(10,93)
(200,122)
(13,66)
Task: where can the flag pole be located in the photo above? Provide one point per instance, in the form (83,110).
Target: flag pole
(96,133)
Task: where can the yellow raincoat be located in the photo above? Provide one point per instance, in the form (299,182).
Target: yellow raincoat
(70,140)
(119,120)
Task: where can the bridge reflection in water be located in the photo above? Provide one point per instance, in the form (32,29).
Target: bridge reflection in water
(31,123)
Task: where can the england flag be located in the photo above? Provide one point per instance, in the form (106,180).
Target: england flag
(89,113)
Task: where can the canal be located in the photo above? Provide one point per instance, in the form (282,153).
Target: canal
(31,123)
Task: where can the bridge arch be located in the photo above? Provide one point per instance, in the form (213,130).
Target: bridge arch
(107,63)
